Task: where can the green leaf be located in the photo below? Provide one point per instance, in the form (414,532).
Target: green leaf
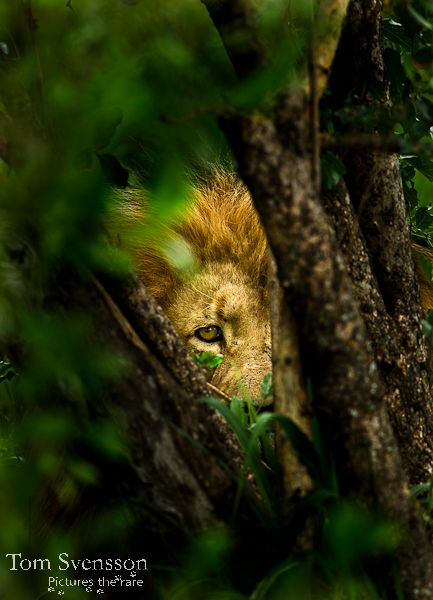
(265,586)
(395,71)
(424,218)
(419,18)
(394,32)
(424,166)
(332,170)
(209,360)
(352,534)
(253,460)
(266,387)
(237,407)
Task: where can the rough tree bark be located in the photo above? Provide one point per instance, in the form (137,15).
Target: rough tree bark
(184,459)
(353,389)
(290,395)
(374,183)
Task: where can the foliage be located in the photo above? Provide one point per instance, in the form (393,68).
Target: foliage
(101,94)
(406,123)
(208,360)
(408,56)
(347,536)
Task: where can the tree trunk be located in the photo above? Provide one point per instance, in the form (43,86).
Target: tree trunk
(381,418)
(184,458)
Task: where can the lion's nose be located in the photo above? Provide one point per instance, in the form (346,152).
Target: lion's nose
(243,379)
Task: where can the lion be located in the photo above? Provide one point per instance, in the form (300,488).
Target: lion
(216,293)
(218,302)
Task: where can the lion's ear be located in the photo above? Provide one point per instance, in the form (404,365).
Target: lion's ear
(162,257)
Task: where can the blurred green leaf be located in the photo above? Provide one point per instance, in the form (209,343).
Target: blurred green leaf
(332,170)
(394,32)
(424,218)
(352,534)
(266,387)
(208,360)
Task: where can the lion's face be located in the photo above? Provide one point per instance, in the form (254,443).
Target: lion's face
(220,305)
(219,310)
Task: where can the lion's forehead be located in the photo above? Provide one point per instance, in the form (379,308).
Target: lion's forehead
(220,294)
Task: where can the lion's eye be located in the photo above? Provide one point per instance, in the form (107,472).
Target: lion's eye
(212,333)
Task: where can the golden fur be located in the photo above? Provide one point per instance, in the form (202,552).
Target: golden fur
(225,285)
